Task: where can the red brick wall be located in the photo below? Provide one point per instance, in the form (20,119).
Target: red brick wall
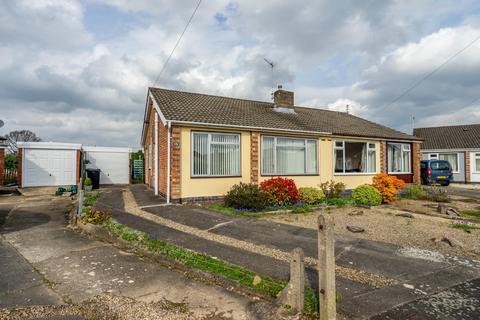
(20,167)
(162,157)
(254,156)
(383,156)
(2,164)
(175,182)
(148,166)
(468,167)
(416,157)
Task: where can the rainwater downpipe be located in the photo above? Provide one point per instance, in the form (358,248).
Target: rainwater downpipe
(169,137)
(155,165)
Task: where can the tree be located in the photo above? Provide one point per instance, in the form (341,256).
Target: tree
(20,135)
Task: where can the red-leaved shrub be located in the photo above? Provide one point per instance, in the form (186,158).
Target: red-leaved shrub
(280,191)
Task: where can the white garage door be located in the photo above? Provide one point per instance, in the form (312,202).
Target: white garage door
(114,165)
(46,167)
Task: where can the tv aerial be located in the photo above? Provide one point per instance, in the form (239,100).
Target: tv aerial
(272,65)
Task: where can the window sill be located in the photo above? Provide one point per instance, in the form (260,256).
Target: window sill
(394,173)
(210,177)
(291,175)
(355,174)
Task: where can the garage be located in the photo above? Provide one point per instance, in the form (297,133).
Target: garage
(48,164)
(114,163)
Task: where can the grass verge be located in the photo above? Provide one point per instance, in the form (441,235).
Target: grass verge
(240,275)
(471,213)
(304,208)
(465,226)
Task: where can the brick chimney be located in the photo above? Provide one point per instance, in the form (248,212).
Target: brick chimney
(283,100)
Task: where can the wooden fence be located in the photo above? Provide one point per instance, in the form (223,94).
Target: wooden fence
(10,176)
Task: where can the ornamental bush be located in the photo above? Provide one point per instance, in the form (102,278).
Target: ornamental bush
(280,191)
(95,216)
(366,195)
(415,192)
(247,196)
(311,195)
(332,189)
(388,186)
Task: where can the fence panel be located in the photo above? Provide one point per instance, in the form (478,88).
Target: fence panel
(10,176)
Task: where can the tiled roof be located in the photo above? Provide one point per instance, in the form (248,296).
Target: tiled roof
(450,137)
(202,108)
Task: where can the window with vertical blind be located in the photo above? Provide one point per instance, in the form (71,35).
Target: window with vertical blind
(215,154)
(288,156)
(399,158)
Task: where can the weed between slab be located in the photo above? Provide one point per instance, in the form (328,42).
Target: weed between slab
(471,213)
(240,275)
(304,208)
(91,198)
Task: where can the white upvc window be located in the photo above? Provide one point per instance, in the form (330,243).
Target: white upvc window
(354,157)
(399,158)
(288,156)
(452,158)
(476,161)
(215,154)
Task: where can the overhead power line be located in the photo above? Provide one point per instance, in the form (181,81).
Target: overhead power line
(177,43)
(428,75)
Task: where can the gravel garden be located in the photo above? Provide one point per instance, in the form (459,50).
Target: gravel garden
(417,218)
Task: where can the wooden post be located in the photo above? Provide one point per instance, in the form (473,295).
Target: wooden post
(326,268)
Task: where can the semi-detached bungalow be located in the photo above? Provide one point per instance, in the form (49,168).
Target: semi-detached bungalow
(197,146)
(460,145)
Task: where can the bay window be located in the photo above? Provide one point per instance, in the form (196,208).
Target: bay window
(288,156)
(399,158)
(215,154)
(355,157)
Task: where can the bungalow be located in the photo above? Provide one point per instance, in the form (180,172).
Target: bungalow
(460,145)
(197,145)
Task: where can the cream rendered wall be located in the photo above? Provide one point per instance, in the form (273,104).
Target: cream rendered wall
(215,186)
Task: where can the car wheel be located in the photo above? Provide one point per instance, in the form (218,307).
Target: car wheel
(445,183)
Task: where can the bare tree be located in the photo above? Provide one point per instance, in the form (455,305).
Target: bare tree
(20,135)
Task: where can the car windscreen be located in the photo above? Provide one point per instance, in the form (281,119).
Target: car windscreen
(440,165)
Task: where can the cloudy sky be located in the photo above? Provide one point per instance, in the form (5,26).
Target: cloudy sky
(78,70)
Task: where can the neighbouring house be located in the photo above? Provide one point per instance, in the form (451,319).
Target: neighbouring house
(460,145)
(197,146)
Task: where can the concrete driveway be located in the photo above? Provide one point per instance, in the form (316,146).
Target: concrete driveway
(46,263)
(415,277)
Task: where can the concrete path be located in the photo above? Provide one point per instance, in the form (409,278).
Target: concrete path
(48,263)
(417,277)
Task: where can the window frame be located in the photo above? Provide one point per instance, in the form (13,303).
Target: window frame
(437,155)
(403,144)
(276,174)
(335,148)
(209,142)
(476,155)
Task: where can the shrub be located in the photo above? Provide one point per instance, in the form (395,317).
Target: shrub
(338,202)
(95,216)
(366,195)
(246,196)
(332,189)
(415,192)
(311,195)
(280,191)
(388,186)
(438,195)
(87,182)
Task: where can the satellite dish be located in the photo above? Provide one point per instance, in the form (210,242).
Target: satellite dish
(1,123)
